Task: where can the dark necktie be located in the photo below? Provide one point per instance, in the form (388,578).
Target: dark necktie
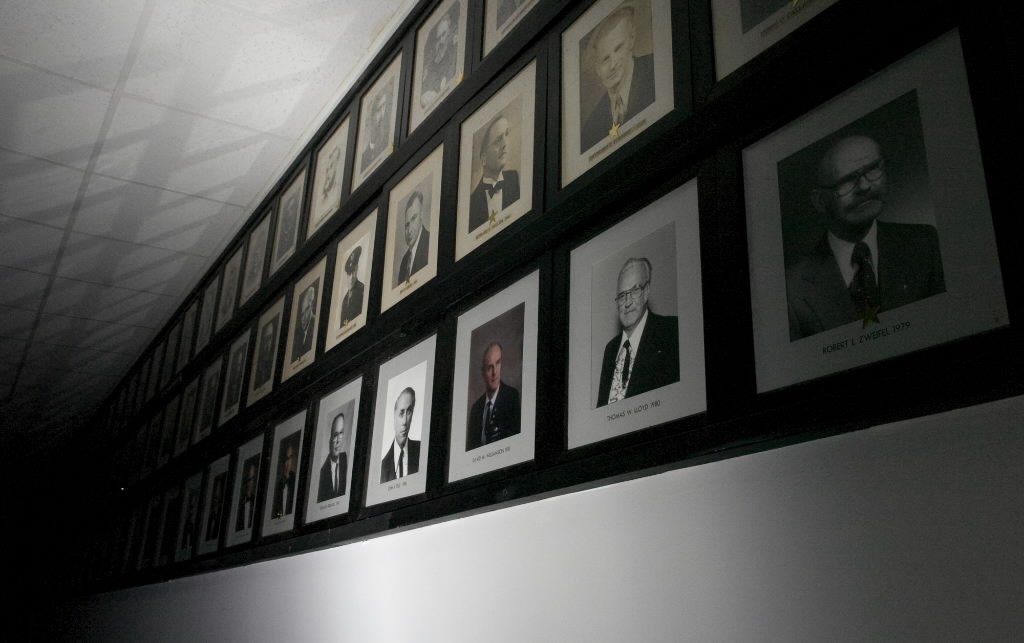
(493,189)
(487,423)
(401,468)
(408,264)
(625,365)
(864,287)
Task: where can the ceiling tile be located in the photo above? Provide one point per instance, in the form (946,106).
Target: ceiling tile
(99,335)
(82,40)
(27,245)
(59,358)
(108,303)
(48,116)
(20,288)
(37,190)
(155,217)
(128,265)
(16,323)
(168,148)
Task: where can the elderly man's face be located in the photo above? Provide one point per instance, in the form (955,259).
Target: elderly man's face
(496,150)
(379,111)
(337,436)
(634,288)
(404,407)
(413,222)
(331,169)
(307,305)
(855,166)
(613,52)
(444,39)
(491,368)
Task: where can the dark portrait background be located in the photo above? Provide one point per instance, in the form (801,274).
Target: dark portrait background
(896,127)
(507,329)
(397,221)
(591,88)
(754,12)
(659,248)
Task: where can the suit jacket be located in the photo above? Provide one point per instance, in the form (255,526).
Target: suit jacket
(419,261)
(655,362)
(909,269)
(281,507)
(352,303)
(326,489)
(387,465)
(504,422)
(478,213)
(641,94)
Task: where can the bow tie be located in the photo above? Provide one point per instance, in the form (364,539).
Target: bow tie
(492,189)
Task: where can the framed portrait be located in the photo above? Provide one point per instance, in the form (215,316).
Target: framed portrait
(208,401)
(636,346)
(150,536)
(304,321)
(153,384)
(188,330)
(440,58)
(229,289)
(616,79)
(189,402)
(496,163)
(868,223)
(268,333)
(289,213)
(212,522)
(235,379)
(494,396)
(242,518)
(414,207)
(330,470)
(351,296)
(283,483)
(328,177)
(153,439)
(170,515)
(401,425)
(500,16)
(171,355)
(378,120)
(255,259)
(169,431)
(189,521)
(744,28)
(206,314)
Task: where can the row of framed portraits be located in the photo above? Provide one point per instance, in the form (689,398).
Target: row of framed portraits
(617,79)
(888,149)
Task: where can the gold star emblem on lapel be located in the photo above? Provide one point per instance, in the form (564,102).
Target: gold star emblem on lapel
(614,131)
(870,315)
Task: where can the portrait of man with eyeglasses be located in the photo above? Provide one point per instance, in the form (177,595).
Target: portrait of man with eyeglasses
(867,259)
(644,355)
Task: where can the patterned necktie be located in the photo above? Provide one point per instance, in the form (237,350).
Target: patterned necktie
(625,365)
(864,287)
(619,111)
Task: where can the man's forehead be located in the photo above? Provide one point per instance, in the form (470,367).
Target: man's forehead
(631,274)
(851,154)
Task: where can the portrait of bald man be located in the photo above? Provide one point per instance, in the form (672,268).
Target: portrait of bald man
(861,265)
(495,415)
(334,470)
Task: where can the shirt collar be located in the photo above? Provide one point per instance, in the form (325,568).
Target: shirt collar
(842,250)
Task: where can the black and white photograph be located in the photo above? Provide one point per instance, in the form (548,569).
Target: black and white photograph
(440,58)
(745,28)
(170,515)
(234,381)
(494,395)
(207,313)
(378,120)
(153,383)
(229,289)
(866,252)
(496,163)
(189,522)
(351,296)
(616,79)
(153,441)
(304,321)
(636,350)
(330,470)
(414,206)
(150,534)
(500,16)
(168,431)
(207,416)
(171,356)
(289,214)
(188,329)
(328,177)
(186,418)
(242,518)
(255,259)
(264,361)
(212,522)
(401,425)
(283,482)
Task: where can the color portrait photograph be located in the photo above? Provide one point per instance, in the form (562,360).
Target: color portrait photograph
(330,471)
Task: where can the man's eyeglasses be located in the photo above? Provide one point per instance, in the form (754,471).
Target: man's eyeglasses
(872,172)
(630,294)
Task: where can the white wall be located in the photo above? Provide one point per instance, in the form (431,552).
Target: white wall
(907,532)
